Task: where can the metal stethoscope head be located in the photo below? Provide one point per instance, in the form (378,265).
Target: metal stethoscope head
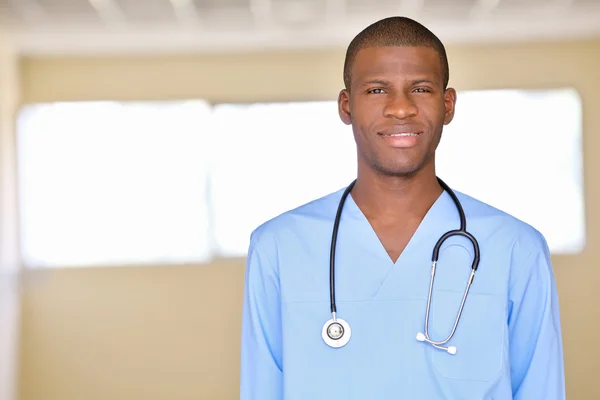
(336,332)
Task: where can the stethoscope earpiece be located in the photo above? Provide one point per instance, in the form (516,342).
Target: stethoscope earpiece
(450,349)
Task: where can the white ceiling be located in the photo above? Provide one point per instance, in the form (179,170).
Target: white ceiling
(95,26)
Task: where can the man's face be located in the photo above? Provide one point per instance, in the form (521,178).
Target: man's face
(397,106)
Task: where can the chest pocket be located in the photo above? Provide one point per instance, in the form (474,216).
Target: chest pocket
(480,335)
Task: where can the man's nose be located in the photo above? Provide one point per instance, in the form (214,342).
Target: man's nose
(400,107)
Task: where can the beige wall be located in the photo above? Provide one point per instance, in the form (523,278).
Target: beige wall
(173,332)
(9,257)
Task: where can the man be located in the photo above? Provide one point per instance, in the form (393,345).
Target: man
(369,333)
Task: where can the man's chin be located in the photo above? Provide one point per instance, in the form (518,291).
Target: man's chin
(397,170)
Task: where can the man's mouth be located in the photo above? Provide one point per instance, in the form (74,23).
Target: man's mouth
(400,139)
(401,134)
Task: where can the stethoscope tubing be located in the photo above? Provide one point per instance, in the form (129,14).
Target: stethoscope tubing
(336,225)
(462,231)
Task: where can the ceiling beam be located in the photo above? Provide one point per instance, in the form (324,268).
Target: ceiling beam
(335,9)
(185,11)
(109,11)
(262,11)
(563,4)
(29,10)
(483,8)
(81,39)
(412,8)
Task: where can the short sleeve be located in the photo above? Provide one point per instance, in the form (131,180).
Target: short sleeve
(261,358)
(536,352)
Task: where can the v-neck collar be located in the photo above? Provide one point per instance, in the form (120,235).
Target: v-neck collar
(425,228)
(364,269)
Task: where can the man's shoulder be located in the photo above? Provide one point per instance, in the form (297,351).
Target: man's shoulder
(487,217)
(321,209)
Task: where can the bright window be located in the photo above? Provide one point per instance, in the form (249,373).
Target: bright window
(273,157)
(521,151)
(157,183)
(112,183)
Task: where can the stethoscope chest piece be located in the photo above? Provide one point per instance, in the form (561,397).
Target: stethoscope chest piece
(336,333)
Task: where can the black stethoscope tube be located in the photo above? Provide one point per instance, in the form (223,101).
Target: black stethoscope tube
(462,231)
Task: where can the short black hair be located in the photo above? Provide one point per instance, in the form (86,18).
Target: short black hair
(395,31)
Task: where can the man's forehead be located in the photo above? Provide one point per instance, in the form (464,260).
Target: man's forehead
(382,59)
(397,53)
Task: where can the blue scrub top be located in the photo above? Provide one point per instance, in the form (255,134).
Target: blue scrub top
(508,340)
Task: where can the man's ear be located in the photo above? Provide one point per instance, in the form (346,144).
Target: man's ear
(450,104)
(344,107)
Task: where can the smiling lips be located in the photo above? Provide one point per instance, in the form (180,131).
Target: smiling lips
(401,138)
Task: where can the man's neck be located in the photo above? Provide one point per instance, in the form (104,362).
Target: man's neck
(393,197)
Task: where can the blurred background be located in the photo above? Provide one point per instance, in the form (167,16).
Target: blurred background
(141,141)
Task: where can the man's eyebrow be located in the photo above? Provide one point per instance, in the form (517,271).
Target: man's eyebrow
(375,82)
(379,81)
(424,80)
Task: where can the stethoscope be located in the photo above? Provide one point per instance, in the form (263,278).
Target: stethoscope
(337,332)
